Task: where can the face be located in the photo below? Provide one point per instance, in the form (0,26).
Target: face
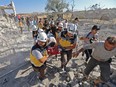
(59,28)
(109,46)
(70,35)
(40,43)
(94,31)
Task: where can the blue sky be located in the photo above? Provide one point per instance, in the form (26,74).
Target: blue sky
(28,6)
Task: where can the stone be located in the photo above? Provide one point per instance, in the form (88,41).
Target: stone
(71,75)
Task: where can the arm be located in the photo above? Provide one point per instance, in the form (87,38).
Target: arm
(39,56)
(43,59)
(71,47)
(78,52)
(84,38)
(89,46)
(58,37)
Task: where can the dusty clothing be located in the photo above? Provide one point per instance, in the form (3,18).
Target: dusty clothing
(104,67)
(100,56)
(99,52)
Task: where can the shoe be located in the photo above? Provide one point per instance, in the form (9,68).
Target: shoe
(97,81)
(62,66)
(63,70)
(84,78)
(42,78)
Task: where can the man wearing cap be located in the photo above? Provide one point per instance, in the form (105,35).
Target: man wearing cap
(102,53)
(91,37)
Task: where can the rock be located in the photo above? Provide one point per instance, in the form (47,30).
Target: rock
(71,75)
(69,85)
(45,81)
(52,85)
(77,85)
(95,74)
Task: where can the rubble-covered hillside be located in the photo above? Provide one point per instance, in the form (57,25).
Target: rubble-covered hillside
(14,46)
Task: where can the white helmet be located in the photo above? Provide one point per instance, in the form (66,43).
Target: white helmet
(60,25)
(72,28)
(40,30)
(42,37)
(34,28)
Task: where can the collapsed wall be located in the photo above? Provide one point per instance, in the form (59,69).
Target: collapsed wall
(14,46)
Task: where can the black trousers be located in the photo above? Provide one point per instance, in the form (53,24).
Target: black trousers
(88,53)
(68,54)
(104,68)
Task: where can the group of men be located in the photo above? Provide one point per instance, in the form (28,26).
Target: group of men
(100,53)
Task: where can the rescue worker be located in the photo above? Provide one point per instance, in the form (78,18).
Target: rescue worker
(58,30)
(38,55)
(34,33)
(67,42)
(34,30)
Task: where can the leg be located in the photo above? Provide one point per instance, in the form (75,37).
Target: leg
(88,53)
(33,34)
(69,56)
(105,71)
(42,71)
(21,30)
(91,64)
(63,61)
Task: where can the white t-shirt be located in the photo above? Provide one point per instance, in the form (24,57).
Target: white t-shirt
(65,25)
(37,54)
(90,36)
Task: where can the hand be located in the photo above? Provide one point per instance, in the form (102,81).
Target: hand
(86,39)
(75,54)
